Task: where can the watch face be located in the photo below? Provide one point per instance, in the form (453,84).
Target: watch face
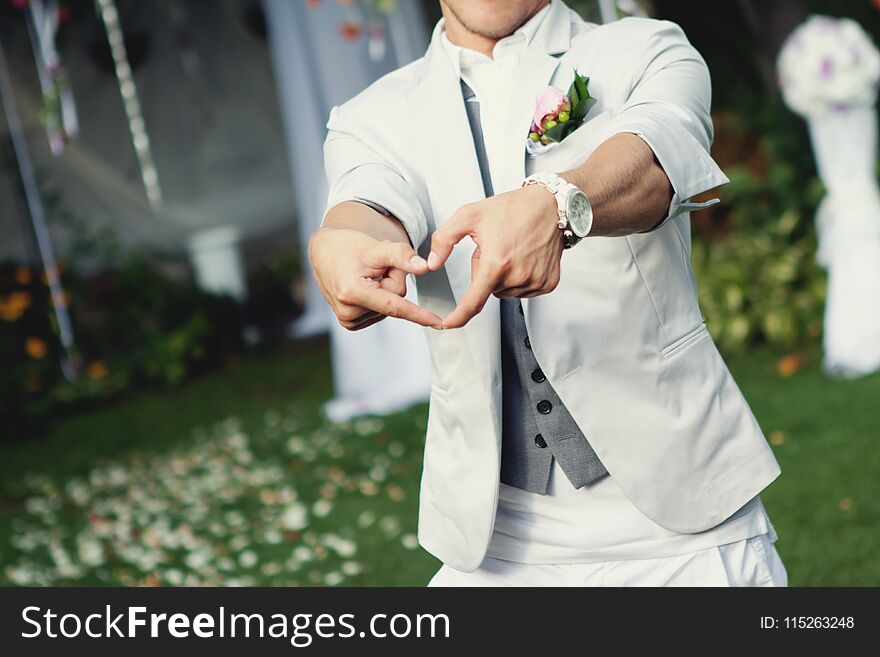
(580,214)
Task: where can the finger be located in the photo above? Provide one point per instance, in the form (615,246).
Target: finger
(395,254)
(368,320)
(394,281)
(444,239)
(367,316)
(472,302)
(349,315)
(393,305)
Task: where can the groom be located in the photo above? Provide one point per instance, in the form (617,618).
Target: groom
(583,429)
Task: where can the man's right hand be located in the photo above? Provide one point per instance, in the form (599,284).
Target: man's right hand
(364,279)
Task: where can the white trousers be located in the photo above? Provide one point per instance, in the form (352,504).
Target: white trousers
(750,562)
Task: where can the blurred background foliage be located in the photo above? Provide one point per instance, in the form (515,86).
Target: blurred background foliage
(140,321)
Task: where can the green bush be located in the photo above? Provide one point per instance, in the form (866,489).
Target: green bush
(758,280)
(28,348)
(133,327)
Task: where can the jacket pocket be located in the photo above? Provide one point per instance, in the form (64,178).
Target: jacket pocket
(685,342)
(574,149)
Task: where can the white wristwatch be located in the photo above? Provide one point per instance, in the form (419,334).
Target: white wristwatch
(572,206)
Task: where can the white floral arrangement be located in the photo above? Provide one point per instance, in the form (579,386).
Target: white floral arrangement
(828,64)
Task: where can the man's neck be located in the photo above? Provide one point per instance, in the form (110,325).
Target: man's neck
(464,38)
(461,36)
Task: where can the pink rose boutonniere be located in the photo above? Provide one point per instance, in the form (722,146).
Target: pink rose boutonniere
(557,115)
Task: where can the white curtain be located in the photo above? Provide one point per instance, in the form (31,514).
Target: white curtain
(386,367)
(848,221)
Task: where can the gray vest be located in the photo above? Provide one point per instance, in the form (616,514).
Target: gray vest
(535,425)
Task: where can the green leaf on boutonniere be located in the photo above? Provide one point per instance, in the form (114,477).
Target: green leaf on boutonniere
(579,111)
(580,83)
(578,89)
(561,130)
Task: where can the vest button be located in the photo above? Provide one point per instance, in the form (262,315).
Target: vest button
(538,376)
(540,442)
(544,407)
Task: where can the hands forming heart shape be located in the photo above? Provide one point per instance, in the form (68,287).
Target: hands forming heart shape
(518,252)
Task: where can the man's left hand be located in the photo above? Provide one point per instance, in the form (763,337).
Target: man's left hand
(518,251)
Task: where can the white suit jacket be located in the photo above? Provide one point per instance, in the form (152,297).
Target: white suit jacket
(621,339)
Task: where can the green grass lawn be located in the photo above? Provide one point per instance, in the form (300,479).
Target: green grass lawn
(237,479)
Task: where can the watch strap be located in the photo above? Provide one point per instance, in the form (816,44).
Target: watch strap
(560,188)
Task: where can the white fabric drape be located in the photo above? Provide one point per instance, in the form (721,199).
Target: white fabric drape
(385,367)
(848,223)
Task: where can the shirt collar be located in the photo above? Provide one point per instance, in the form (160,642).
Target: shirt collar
(463,58)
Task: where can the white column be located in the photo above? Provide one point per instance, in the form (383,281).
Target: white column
(216,261)
(848,224)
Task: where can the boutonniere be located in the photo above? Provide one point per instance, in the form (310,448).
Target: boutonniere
(557,115)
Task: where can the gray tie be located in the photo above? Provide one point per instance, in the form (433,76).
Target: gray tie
(536,426)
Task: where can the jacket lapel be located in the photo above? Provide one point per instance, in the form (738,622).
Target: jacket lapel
(452,178)
(535,71)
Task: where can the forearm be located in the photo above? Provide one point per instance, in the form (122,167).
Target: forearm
(627,187)
(351,215)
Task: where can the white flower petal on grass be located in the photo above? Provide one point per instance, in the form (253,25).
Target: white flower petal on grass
(174,577)
(366,426)
(270,568)
(390,526)
(334,578)
(286,495)
(239,542)
(365,519)
(410,541)
(352,568)
(396,449)
(296,445)
(248,558)
(344,547)
(78,491)
(322,508)
(295,517)
(303,553)
(89,550)
(235,518)
(38,506)
(272,536)
(198,559)
(20,575)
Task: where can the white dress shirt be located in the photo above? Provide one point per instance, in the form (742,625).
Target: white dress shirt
(492,79)
(595,523)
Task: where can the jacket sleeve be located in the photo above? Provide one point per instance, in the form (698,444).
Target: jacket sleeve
(668,108)
(356,172)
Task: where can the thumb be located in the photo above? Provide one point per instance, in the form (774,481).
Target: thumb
(397,255)
(459,225)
